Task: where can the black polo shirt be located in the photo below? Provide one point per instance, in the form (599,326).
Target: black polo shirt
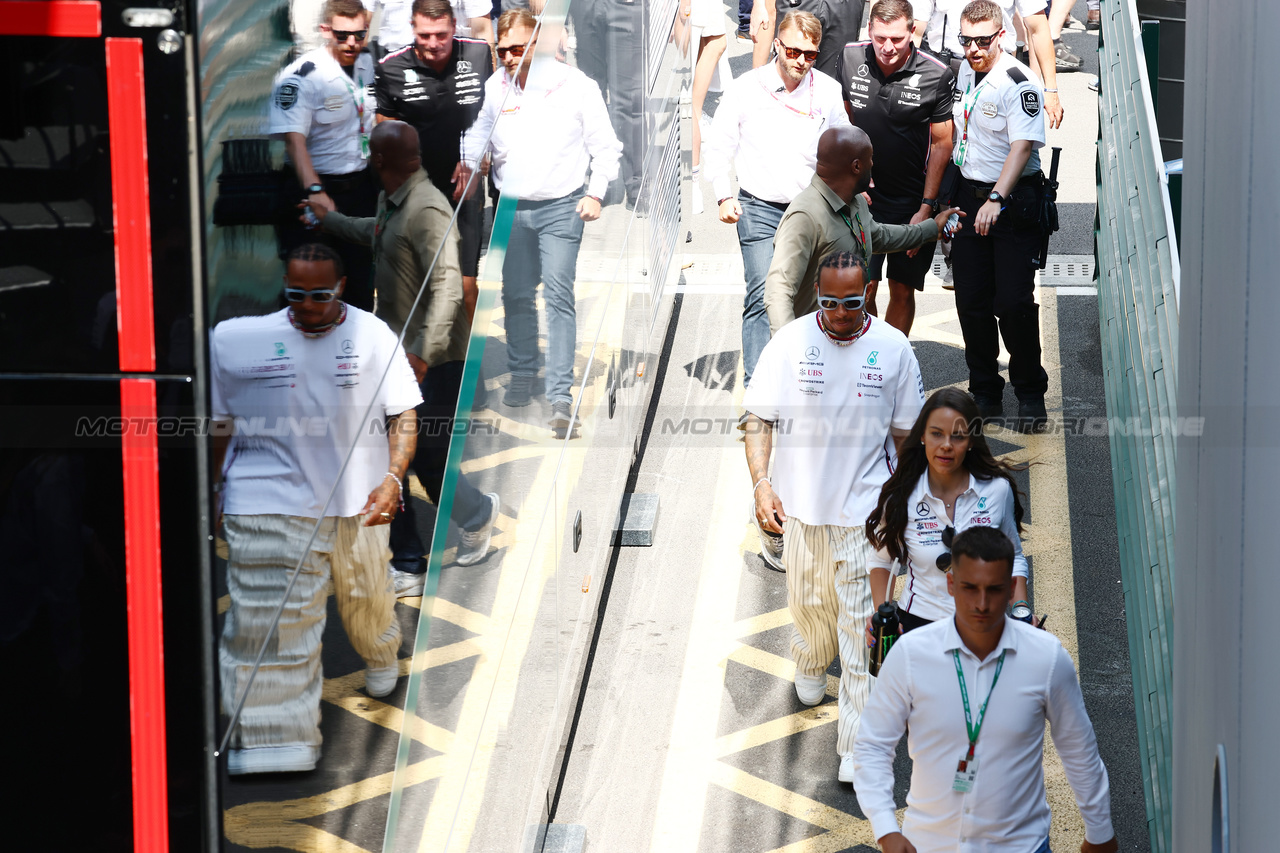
(896,112)
(439,105)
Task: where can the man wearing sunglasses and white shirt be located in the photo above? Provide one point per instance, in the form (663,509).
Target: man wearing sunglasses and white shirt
(323,107)
(767,125)
(318,366)
(550,130)
(839,389)
(999,127)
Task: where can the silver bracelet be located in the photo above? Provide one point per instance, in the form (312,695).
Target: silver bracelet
(758,482)
(394,479)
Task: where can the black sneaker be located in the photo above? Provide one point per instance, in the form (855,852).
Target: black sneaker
(1032,417)
(519,392)
(990,409)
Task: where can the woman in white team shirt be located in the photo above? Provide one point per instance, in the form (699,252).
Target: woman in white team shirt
(946,481)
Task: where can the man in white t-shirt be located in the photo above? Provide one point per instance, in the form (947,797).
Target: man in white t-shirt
(839,388)
(295,392)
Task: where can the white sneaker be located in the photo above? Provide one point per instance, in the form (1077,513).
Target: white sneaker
(474,546)
(846,768)
(272,759)
(811,689)
(381,681)
(770,543)
(407,583)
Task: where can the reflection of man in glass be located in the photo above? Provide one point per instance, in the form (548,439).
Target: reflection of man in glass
(610,52)
(414,249)
(297,384)
(548,132)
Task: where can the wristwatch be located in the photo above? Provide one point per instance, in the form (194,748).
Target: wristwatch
(315,188)
(1021,611)
(996,197)
(932,202)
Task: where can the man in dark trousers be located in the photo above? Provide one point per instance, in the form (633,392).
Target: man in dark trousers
(436,84)
(901,97)
(406,235)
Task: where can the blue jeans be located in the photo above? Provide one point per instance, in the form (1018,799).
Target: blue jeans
(1044,848)
(756,227)
(543,247)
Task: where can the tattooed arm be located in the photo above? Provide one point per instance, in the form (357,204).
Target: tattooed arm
(384,500)
(759,441)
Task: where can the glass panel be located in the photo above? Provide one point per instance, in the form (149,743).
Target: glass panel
(57,308)
(500,654)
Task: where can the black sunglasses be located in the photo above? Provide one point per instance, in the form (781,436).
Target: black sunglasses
(796,53)
(983,42)
(343,35)
(298,294)
(516,50)
(944,559)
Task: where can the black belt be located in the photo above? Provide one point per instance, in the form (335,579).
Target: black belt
(981,190)
(777,205)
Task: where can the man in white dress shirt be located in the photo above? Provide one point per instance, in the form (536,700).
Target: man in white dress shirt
(549,129)
(767,125)
(974,693)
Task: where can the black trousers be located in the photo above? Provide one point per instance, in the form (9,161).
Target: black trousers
(435,421)
(610,52)
(355,194)
(995,284)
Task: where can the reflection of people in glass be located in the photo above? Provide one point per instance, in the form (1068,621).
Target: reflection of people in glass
(547,132)
(411,224)
(323,107)
(297,384)
(610,52)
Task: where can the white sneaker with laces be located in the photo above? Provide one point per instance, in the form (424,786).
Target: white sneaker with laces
(381,681)
(846,768)
(474,545)
(811,689)
(407,583)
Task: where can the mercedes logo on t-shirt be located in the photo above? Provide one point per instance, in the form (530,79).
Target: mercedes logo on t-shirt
(922,509)
(812,353)
(347,346)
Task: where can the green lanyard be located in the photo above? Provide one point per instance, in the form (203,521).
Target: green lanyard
(358,101)
(968,104)
(860,235)
(964,694)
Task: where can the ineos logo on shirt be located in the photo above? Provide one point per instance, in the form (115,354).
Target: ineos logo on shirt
(922,509)
(812,353)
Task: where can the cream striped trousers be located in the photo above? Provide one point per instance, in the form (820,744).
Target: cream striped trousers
(829,594)
(283,708)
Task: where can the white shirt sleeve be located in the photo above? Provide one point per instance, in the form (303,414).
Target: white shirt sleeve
(291,108)
(763,397)
(884,720)
(474,8)
(597,134)
(1024,107)
(908,396)
(839,117)
(880,559)
(400,392)
(1029,7)
(720,143)
(1078,747)
(475,139)
(1009,527)
(217,398)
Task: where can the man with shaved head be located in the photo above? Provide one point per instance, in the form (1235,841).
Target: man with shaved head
(831,215)
(410,229)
